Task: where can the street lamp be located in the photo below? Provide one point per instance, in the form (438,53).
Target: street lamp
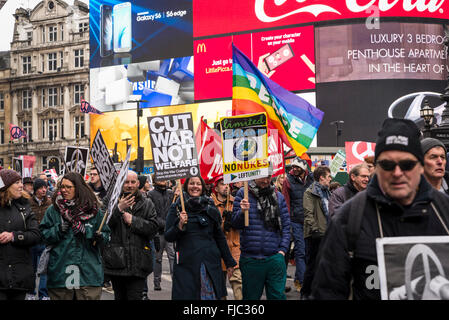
(139,160)
(339,130)
(426,112)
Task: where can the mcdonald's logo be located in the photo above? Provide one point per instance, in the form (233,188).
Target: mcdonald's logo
(201,48)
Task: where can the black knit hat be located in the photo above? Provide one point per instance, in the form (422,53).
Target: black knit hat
(401,135)
(142,180)
(39,183)
(27,180)
(7,178)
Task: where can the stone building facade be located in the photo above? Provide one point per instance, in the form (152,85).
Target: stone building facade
(48,78)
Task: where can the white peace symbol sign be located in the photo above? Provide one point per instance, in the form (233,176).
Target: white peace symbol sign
(368,152)
(75,164)
(426,253)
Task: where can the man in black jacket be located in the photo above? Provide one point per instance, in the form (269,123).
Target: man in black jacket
(358,181)
(162,198)
(397,203)
(128,257)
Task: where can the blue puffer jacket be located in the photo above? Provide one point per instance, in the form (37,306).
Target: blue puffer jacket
(255,240)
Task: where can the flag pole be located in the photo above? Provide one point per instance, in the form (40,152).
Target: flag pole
(245,195)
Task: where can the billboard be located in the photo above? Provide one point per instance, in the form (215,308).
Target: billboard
(124,32)
(158,82)
(394,51)
(245,15)
(286,56)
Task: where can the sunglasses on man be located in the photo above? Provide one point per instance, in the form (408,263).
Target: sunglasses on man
(390,165)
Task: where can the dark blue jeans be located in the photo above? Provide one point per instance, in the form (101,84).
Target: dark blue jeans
(300,250)
(36,252)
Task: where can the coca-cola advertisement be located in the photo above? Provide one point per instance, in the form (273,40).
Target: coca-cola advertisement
(221,17)
(286,56)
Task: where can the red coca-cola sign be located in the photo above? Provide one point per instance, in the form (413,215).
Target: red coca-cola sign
(221,17)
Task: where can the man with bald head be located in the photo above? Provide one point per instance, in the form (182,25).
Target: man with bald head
(128,258)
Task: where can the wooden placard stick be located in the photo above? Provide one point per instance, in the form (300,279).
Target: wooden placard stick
(102,223)
(245,196)
(181,195)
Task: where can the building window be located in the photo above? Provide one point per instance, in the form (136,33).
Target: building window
(62,32)
(52,97)
(78,93)
(52,129)
(79,58)
(26,64)
(43,101)
(61,96)
(26,100)
(43,129)
(52,61)
(52,33)
(79,126)
(61,57)
(30,35)
(2,133)
(61,127)
(83,27)
(26,125)
(43,34)
(2,101)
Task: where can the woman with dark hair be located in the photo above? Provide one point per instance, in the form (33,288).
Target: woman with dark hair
(70,226)
(200,244)
(19,231)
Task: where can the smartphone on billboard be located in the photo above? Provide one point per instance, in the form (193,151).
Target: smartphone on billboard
(280,56)
(122,22)
(106,45)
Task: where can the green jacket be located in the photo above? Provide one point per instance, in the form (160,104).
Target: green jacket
(72,255)
(314,216)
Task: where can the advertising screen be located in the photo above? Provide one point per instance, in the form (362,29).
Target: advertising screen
(157,83)
(230,16)
(286,56)
(123,32)
(364,105)
(394,51)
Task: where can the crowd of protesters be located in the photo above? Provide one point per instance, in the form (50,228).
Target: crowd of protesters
(54,246)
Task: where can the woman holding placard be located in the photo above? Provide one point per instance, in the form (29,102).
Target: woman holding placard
(200,245)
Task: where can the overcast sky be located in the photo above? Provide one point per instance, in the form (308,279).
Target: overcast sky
(7,19)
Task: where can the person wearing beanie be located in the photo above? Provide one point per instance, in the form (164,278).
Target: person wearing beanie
(39,202)
(435,164)
(397,202)
(144,184)
(18,234)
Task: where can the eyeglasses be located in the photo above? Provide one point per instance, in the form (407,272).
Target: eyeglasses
(63,186)
(404,165)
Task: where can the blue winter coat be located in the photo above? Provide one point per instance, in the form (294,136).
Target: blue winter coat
(255,240)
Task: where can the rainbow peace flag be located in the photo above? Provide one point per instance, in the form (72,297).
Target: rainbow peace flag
(296,120)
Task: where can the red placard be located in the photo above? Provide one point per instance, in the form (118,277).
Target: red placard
(221,17)
(213,60)
(357,151)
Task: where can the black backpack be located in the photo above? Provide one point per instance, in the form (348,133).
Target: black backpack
(356,211)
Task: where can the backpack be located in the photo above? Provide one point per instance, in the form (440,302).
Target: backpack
(355,217)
